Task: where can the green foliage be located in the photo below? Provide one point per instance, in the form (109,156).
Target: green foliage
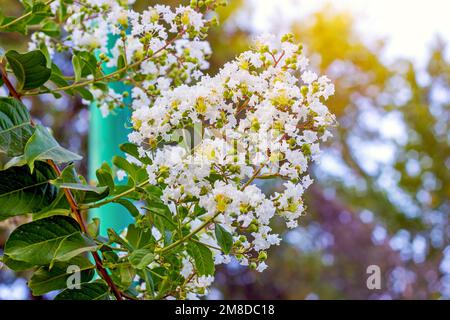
(203,259)
(47,279)
(36,13)
(224,239)
(23,192)
(48,240)
(39,177)
(87,291)
(15,126)
(140,258)
(129,206)
(30,69)
(42,146)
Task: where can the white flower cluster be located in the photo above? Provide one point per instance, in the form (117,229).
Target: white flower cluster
(159,48)
(261,117)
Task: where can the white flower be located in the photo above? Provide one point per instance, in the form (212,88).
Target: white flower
(309,76)
(121,174)
(261,267)
(204,281)
(187,269)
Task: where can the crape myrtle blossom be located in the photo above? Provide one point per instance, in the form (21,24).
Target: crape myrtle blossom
(261,117)
(200,146)
(162,47)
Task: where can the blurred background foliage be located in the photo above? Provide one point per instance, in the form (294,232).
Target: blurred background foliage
(382,187)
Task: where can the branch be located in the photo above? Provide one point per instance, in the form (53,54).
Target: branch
(112,199)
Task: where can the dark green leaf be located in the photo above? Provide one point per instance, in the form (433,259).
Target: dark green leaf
(89,64)
(42,146)
(19,26)
(130,168)
(78,186)
(139,237)
(198,210)
(45,280)
(48,240)
(224,238)
(15,126)
(132,150)
(162,215)
(40,11)
(58,78)
(105,178)
(141,258)
(22,192)
(203,259)
(59,206)
(85,93)
(129,206)
(149,284)
(88,291)
(16,265)
(51,28)
(30,68)
(114,237)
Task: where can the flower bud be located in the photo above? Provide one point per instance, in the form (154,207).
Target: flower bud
(262,256)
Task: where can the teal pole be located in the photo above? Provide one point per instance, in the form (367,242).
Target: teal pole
(105,136)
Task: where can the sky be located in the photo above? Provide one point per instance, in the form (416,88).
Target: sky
(408,25)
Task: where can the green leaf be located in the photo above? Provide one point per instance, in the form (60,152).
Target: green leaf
(85,93)
(77,68)
(22,192)
(89,64)
(88,291)
(141,258)
(78,186)
(130,168)
(129,206)
(60,206)
(125,276)
(93,228)
(224,238)
(46,53)
(30,69)
(121,63)
(203,259)
(114,237)
(132,150)
(16,265)
(104,177)
(15,126)
(199,211)
(69,175)
(19,26)
(149,284)
(57,78)
(40,11)
(51,28)
(48,240)
(162,215)
(139,237)
(45,280)
(42,146)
